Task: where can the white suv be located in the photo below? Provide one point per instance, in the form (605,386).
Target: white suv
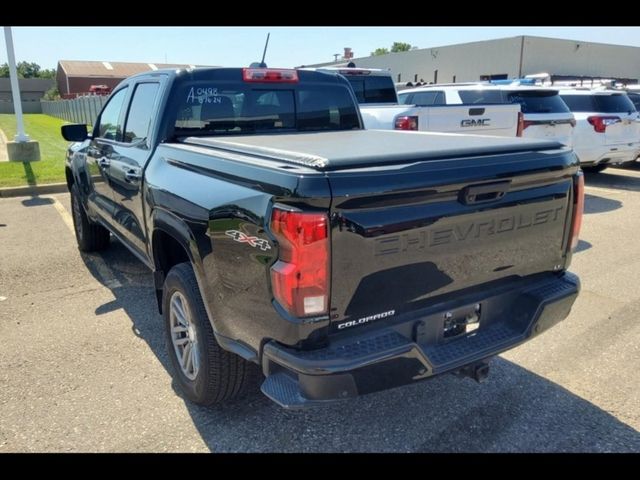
(607,131)
(543,113)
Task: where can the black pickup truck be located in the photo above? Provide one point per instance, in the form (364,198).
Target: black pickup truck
(339,260)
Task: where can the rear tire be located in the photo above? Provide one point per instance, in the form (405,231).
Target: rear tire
(90,236)
(595,168)
(207,374)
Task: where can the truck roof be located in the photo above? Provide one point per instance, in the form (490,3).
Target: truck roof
(360,148)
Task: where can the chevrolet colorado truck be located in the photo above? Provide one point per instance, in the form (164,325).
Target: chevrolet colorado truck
(286,240)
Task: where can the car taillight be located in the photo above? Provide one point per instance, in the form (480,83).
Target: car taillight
(578,210)
(406,123)
(522,124)
(300,277)
(271,75)
(601,122)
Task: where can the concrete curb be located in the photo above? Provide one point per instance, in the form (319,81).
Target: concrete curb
(33,190)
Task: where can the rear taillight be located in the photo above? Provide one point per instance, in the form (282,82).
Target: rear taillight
(300,277)
(269,75)
(601,122)
(578,210)
(522,124)
(406,123)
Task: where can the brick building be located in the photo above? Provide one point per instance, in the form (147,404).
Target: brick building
(76,77)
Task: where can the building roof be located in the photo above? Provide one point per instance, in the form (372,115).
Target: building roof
(79,68)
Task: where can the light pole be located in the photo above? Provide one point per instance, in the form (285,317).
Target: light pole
(15,87)
(22,149)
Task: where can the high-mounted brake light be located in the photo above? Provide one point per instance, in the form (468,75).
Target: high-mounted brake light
(355,71)
(578,210)
(269,75)
(601,122)
(300,277)
(406,123)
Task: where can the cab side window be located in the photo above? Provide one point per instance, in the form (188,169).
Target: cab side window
(109,126)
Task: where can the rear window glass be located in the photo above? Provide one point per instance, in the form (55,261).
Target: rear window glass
(579,103)
(481,96)
(373,89)
(617,103)
(232,108)
(538,102)
(614,103)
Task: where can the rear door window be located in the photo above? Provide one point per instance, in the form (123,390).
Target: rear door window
(538,102)
(141,112)
(428,98)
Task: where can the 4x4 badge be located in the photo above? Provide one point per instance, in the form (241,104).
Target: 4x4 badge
(253,241)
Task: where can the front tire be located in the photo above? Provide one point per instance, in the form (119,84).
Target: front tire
(206,373)
(90,236)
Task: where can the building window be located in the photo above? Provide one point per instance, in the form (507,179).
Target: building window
(435,76)
(494,76)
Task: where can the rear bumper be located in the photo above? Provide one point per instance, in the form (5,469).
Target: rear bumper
(411,351)
(609,154)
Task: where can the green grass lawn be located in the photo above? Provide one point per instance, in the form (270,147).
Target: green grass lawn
(50,168)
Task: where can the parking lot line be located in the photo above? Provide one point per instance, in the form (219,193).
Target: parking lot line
(107,275)
(66,218)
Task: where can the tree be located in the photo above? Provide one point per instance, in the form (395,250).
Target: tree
(27,70)
(47,73)
(400,47)
(379,51)
(52,94)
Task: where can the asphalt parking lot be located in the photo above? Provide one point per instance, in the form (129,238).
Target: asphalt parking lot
(83,363)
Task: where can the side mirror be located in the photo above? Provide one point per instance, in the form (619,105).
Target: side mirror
(76,132)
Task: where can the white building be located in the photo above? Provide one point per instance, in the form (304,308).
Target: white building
(508,58)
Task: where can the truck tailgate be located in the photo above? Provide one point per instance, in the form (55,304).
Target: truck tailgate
(498,120)
(405,236)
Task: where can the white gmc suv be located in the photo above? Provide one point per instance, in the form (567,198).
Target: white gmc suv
(607,131)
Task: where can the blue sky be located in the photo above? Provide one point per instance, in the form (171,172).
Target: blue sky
(239,46)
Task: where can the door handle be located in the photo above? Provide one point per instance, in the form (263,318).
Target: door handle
(132,176)
(488,192)
(104,162)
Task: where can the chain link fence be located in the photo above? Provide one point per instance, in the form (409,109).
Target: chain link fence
(77,110)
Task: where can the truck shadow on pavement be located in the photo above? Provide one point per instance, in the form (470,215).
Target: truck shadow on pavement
(596,204)
(615,178)
(515,410)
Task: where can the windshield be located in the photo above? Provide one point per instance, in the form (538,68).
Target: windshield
(218,108)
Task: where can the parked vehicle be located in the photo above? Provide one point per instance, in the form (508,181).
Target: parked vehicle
(607,131)
(543,113)
(99,90)
(415,113)
(340,260)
